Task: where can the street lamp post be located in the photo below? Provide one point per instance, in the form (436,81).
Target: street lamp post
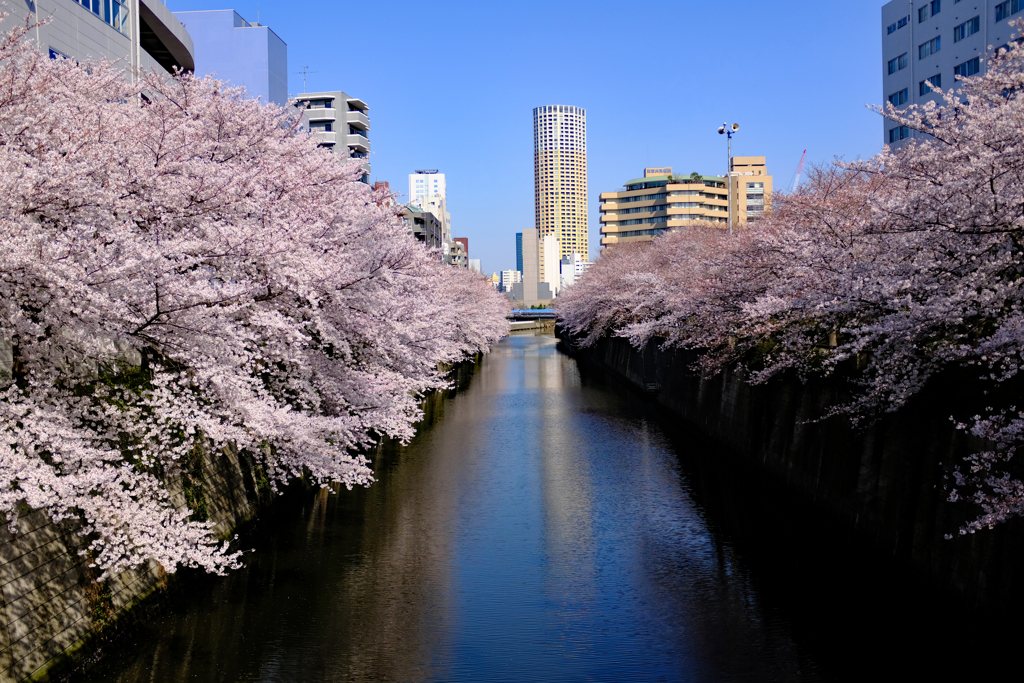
(727,130)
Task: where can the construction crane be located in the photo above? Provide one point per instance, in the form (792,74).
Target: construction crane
(799,170)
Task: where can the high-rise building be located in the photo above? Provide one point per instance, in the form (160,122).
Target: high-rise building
(560,177)
(532,290)
(519,252)
(934,41)
(339,123)
(239,52)
(151,38)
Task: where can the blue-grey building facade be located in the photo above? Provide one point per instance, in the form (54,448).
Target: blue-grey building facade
(239,52)
(519,251)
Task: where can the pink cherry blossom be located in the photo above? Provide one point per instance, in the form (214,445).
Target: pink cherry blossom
(182,268)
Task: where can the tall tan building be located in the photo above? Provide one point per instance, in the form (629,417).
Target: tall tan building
(660,202)
(560,177)
(751,188)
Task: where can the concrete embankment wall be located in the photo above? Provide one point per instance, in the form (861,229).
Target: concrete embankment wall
(885,482)
(50,603)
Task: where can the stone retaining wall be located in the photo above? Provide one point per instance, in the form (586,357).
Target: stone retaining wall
(50,603)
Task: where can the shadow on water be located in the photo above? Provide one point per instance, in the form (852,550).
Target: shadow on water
(547,523)
(857,614)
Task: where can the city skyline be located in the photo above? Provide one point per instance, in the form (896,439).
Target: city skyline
(491,67)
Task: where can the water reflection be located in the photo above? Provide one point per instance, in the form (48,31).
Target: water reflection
(538,532)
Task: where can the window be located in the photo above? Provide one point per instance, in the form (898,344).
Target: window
(898,98)
(929,10)
(968,68)
(968,28)
(898,133)
(936,82)
(929,48)
(897,63)
(1008,8)
(895,26)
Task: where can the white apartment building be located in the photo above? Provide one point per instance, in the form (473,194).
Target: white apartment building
(339,122)
(427,190)
(550,258)
(509,278)
(934,41)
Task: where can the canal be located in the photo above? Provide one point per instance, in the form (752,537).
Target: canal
(546,525)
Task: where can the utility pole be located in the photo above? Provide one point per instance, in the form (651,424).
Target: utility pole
(728,130)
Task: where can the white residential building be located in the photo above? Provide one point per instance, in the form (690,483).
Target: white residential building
(509,278)
(550,256)
(934,41)
(427,190)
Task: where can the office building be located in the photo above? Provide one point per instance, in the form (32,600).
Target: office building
(239,52)
(427,189)
(934,41)
(751,188)
(560,176)
(659,202)
(152,38)
(518,251)
(339,123)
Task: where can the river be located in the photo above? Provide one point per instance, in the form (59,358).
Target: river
(545,526)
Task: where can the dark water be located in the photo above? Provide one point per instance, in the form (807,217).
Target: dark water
(546,527)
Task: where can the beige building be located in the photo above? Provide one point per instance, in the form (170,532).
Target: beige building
(751,188)
(560,178)
(660,202)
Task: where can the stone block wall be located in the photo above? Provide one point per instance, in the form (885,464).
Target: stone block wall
(50,602)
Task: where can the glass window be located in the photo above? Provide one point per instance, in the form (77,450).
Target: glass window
(968,28)
(898,98)
(1008,8)
(898,133)
(936,82)
(930,47)
(968,68)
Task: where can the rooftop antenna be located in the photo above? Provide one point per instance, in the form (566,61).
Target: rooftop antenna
(305,70)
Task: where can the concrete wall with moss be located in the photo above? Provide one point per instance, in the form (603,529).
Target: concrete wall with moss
(50,602)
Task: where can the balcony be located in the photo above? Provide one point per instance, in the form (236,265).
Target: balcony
(357,143)
(321,114)
(359,118)
(325,138)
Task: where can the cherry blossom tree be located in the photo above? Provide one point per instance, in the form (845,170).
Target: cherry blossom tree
(910,262)
(182,270)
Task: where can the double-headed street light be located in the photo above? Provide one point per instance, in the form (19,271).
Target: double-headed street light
(727,129)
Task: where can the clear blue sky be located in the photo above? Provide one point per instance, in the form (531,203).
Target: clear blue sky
(452,86)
